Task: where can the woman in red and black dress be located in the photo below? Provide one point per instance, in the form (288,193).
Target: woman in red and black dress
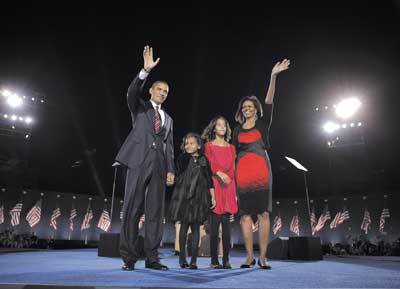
(253,168)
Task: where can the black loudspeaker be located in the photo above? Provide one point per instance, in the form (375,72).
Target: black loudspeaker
(305,248)
(71,244)
(109,245)
(278,248)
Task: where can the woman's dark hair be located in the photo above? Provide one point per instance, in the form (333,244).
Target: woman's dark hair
(257,104)
(209,133)
(198,139)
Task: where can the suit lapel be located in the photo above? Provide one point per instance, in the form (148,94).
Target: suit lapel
(150,114)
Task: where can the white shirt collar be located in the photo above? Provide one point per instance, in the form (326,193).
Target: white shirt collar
(155,104)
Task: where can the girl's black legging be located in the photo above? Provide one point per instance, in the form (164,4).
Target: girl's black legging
(195,228)
(215,221)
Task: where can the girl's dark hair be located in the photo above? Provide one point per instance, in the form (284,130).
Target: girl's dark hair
(198,140)
(257,104)
(209,133)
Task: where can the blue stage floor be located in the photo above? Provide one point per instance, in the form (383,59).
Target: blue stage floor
(85,268)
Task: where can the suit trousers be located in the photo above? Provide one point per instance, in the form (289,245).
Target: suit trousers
(144,193)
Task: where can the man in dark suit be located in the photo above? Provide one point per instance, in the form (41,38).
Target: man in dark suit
(148,154)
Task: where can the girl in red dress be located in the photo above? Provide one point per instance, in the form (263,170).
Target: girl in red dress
(221,156)
(253,168)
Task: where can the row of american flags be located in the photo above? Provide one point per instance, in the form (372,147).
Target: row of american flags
(318,224)
(34,217)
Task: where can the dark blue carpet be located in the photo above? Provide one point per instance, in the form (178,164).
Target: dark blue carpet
(85,268)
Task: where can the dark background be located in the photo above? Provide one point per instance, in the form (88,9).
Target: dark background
(81,59)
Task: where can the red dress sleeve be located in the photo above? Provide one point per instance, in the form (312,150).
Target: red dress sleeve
(211,158)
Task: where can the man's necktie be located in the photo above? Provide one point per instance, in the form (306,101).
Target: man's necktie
(157,120)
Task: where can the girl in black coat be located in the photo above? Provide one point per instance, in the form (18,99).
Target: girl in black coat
(193,195)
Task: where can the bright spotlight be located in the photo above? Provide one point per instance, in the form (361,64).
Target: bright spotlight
(21,118)
(14,100)
(27,136)
(13,127)
(347,107)
(6,93)
(316,109)
(359,124)
(330,127)
(352,124)
(344,125)
(6,116)
(28,120)
(14,117)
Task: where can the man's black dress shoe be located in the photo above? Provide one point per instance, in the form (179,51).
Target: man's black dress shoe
(128,267)
(156,266)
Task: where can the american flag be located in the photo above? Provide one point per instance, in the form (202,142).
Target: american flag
(345,215)
(15,214)
(385,214)
(34,214)
(1,214)
(325,216)
(255,226)
(277,226)
(54,216)
(335,221)
(366,223)
(141,221)
(73,214)
(313,220)
(86,220)
(294,225)
(104,221)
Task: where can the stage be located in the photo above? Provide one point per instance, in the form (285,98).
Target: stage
(82,267)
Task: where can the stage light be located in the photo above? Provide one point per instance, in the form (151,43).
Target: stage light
(27,136)
(42,101)
(359,124)
(6,116)
(329,143)
(6,93)
(33,99)
(326,107)
(14,100)
(28,120)
(316,109)
(14,117)
(13,127)
(352,124)
(330,127)
(347,107)
(21,118)
(344,125)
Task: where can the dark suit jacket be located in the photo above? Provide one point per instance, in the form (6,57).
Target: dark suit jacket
(142,135)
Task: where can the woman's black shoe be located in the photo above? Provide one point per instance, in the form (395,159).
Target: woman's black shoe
(216,266)
(184,265)
(193,267)
(245,266)
(226,265)
(265,267)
